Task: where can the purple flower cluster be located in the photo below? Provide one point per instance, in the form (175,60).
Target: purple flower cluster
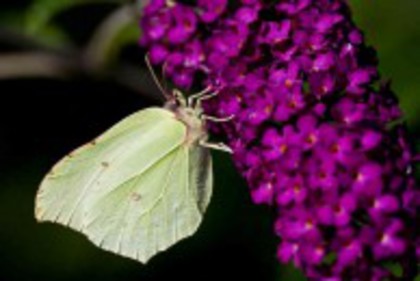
(314,133)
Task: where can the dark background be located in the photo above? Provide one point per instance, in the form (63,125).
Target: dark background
(41,119)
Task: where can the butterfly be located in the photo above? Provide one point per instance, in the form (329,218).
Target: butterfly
(142,185)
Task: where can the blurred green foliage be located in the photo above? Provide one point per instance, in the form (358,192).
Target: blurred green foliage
(393,28)
(40,13)
(236,239)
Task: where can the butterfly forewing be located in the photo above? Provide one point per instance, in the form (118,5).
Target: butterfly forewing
(119,154)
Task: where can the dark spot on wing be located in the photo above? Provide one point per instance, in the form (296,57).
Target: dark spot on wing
(93,142)
(52,174)
(135,196)
(105,164)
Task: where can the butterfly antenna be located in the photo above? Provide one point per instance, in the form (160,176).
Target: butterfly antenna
(156,79)
(162,74)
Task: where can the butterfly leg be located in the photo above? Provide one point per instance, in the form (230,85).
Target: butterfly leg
(217,119)
(199,95)
(216,146)
(179,97)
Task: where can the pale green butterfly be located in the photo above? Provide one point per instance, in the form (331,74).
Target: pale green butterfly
(139,187)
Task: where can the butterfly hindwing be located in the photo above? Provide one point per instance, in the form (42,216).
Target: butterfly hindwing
(201,175)
(148,214)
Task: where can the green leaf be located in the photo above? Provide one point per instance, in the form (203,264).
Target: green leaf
(119,29)
(330,258)
(130,34)
(289,272)
(11,19)
(51,35)
(395,268)
(41,12)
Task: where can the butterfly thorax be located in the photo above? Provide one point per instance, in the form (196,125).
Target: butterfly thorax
(191,117)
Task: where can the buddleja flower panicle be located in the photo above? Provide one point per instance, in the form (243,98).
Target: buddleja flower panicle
(315,133)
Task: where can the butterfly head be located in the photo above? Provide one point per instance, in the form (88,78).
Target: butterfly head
(190,114)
